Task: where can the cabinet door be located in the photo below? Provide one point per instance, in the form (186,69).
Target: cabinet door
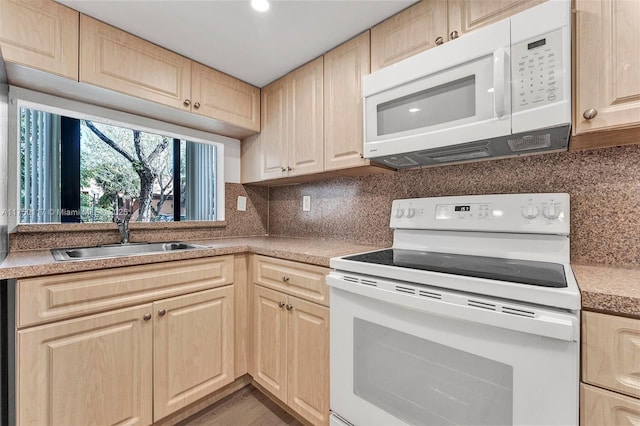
(611,352)
(92,370)
(308,359)
(273,137)
(217,95)
(344,68)
(193,348)
(306,125)
(468,15)
(270,341)
(409,32)
(40,34)
(607,64)
(116,60)
(599,407)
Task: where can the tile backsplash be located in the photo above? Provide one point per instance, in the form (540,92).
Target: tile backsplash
(604,186)
(252,222)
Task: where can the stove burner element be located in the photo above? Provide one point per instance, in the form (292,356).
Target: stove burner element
(543,274)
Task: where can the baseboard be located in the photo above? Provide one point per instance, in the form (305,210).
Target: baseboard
(205,402)
(280,404)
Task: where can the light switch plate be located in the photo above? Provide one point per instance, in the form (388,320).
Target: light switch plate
(242,203)
(306,203)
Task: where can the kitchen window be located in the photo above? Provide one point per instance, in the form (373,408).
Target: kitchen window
(83,168)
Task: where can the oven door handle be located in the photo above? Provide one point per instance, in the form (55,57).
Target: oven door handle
(507,315)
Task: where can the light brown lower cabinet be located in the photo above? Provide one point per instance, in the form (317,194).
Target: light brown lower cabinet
(130,366)
(91,370)
(193,348)
(611,363)
(291,352)
(599,407)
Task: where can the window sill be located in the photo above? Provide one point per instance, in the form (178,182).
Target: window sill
(88,227)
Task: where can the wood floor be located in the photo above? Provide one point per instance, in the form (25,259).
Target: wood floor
(247,407)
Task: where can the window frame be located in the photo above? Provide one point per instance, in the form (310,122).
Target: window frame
(23,98)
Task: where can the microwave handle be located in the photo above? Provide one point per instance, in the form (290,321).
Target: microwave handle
(499,81)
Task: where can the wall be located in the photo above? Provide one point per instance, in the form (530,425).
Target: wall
(604,186)
(3,170)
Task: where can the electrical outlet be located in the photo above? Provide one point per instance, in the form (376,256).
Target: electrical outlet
(306,203)
(242,203)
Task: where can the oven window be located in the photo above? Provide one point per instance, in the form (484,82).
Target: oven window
(442,104)
(423,382)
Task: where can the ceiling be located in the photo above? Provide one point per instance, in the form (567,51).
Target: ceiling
(233,38)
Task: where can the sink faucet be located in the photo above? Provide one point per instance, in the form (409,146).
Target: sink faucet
(123,227)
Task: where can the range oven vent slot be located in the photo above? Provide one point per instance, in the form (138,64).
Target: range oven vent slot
(369,283)
(481,305)
(406,290)
(350,279)
(518,312)
(430,294)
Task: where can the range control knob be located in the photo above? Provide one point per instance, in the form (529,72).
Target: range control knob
(551,210)
(411,212)
(530,211)
(399,213)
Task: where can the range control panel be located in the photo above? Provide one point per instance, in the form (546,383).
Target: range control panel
(537,71)
(527,213)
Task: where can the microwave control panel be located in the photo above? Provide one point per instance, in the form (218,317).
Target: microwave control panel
(537,71)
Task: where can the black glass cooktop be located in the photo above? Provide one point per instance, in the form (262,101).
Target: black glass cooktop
(544,274)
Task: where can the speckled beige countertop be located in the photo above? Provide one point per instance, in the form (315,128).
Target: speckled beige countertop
(609,289)
(30,263)
(604,288)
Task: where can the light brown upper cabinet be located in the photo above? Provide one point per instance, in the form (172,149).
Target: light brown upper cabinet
(430,23)
(119,61)
(40,34)
(306,125)
(415,29)
(292,135)
(225,98)
(607,71)
(469,15)
(273,137)
(344,68)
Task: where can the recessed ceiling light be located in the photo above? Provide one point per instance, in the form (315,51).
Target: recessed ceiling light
(414,109)
(260,5)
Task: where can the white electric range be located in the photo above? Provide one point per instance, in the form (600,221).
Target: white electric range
(471,318)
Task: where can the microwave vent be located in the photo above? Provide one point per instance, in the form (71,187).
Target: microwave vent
(525,143)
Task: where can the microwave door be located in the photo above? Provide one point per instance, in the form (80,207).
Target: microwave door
(455,93)
(465,103)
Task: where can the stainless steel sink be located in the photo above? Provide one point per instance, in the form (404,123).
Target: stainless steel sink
(118,250)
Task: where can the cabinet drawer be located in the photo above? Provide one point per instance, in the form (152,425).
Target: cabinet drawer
(297,279)
(611,352)
(56,297)
(600,407)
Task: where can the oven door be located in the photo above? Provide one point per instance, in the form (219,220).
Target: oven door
(397,359)
(459,92)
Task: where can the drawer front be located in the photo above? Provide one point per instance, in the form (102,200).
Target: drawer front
(600,407)
(297,279)
(611,352)
(56,297)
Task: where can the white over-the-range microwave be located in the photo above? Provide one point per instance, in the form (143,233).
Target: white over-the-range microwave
(502,90)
